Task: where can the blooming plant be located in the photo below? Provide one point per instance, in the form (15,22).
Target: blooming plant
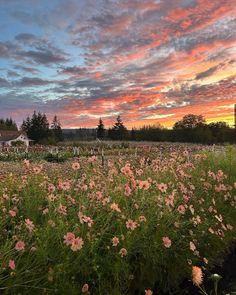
(134,225)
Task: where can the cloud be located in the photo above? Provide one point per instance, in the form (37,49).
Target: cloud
(44,56)
(3,82)
(30,82)
(12,74)
(150,60)
(27,69)
(25,38)
(207,73)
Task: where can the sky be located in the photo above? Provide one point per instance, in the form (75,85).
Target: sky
(150,61)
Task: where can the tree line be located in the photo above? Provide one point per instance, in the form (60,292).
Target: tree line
(191,128)
(37,127)
(8,124)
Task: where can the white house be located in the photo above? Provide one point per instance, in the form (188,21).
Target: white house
(9,137)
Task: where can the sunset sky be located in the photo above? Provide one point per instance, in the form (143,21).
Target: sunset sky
(148,60)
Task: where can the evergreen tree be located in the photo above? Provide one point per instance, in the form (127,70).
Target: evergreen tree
(56,129)
(8,124)
(101,130)
(119,131)
(26,125)
(37,127)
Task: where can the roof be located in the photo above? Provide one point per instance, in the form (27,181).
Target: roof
(6,135)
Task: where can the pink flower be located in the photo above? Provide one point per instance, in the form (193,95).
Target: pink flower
(123,252)
(51,188)
(85,219)
(11,264)
(62,209)
(127,190)
(186,198)
(65,185)
(26,163)
(37,170)
(12,213)
(29,225)
(144,184)
(115,207)
(130,224)
(85,288)
(69,238)
(162,187)
(133,183)
(181,209)
(167,242)
(76,166)
(197,276)
(126,170)
(77,244)
(115,241)
(20,246)
(45,211)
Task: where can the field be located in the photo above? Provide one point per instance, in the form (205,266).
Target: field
(126,220)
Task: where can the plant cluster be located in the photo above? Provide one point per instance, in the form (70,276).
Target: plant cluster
(134,226)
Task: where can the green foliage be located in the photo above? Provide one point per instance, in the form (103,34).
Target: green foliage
(36,127)
(56,158)
(17,143)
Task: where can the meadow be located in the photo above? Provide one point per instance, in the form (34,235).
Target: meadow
(146,219)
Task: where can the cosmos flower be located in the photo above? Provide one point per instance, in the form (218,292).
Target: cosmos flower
(115,241)
(85,288)
(77,244)
(76,166)
(69,238)
(166,242)
(20,246)
(197,276)
(123,252)
(11,264)
(130,224)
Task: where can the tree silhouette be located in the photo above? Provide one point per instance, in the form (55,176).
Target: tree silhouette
(56,129)
(119,131)
(190,121)
(100,130)
(36,127)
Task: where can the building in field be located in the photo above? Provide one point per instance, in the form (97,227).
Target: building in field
(9,138)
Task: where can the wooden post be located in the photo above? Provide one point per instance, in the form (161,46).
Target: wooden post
(103,159)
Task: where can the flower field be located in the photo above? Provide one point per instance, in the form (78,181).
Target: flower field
(135,223)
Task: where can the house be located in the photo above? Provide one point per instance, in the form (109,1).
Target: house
(8,138)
